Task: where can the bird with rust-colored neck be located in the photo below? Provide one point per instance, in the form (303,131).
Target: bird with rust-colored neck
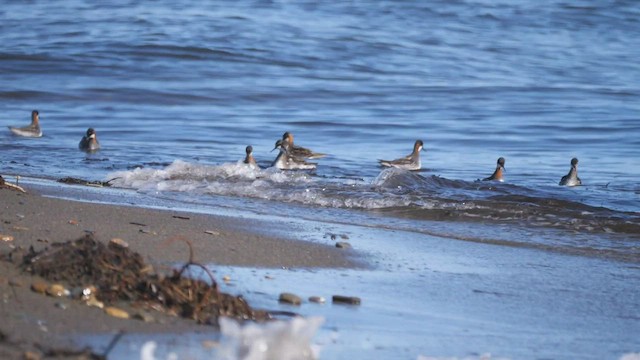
(299,151)
(249,159)
(498,174)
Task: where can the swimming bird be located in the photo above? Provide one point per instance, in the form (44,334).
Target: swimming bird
(32,130)
(409,162)
(286,161)
(299,151)
(497,175)
(572,179)
(89,142)
(249,159)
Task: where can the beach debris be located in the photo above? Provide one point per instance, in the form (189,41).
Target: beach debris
(212,232)
(120,275)
(20,228)
(290,298)
(77,181)
(73,222)
(226,279)
(181,217)
(351,300)
(5,185)
(344,236)
(282,340)
(39,286)
(61,306)
(116,312)
(137,223)
(6,237)
(317,299)
(343,245)
(144,231)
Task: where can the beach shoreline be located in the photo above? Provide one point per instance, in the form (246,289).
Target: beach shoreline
(33,322)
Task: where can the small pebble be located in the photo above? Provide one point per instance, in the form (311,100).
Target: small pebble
(290,299)
(6,237)
(146,317)
(93,302)
(352,300)
(39,286)
(226,278)
(317,299)
(115,312)
(210,344)
(119,243)
(344,237)
(343,245)
(73,222)
(57,290)
(30,355)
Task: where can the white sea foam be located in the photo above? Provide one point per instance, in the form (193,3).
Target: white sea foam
(238,179)
(283,340)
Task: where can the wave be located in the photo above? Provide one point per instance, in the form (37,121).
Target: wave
(394,192)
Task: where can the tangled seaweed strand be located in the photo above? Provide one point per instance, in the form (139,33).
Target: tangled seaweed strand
(122,275)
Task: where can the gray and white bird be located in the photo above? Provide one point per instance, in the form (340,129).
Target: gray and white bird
(286,161)
(572,179)
(409,162)
(89,142)
(32,130)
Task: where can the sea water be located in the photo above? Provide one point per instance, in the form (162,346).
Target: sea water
(176,91)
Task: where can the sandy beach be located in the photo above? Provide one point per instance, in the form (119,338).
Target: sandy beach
(34,322)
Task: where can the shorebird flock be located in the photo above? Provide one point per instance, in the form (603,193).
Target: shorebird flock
(294,157)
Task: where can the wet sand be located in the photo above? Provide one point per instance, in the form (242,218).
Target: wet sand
(32,321)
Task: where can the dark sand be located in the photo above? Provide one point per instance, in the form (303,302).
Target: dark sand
(30,320)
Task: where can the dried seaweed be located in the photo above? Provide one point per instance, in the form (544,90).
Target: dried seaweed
(77,181)
(120,274)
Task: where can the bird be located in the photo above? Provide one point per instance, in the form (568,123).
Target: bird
(299,151)
(89,142)
(32,130)
(497,175)
(409,162)
(249,159)
(571,179)
(286,161)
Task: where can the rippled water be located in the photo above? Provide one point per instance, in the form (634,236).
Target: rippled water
(177,90)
